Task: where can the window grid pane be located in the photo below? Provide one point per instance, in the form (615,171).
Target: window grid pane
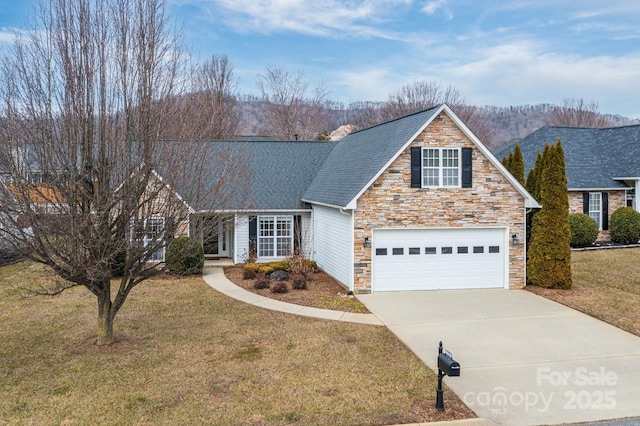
(275,236)
(450,167)
(440,167)
(595,207)
(431,167)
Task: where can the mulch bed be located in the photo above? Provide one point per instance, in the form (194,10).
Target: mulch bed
(319,285)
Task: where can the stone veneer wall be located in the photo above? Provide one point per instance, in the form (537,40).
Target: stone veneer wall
(617,199)
(391,202)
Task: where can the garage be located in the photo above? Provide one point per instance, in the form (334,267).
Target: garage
(434,259)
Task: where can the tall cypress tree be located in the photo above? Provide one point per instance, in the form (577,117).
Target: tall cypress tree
(549,255)
(517,165)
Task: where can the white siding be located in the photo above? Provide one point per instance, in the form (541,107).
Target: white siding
(241,242)
(333,243)
(241,236)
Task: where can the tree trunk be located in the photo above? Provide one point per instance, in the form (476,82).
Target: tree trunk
(105,320)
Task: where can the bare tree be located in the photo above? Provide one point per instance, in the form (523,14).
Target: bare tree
(212,109)
(88,188)
(421,95)
(288,110)
(577,113)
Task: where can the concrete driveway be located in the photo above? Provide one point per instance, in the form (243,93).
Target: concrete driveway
(525,360)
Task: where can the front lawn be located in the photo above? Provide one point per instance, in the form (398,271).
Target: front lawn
(606,285)
(186,354)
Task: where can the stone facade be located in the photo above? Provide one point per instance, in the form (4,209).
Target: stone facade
(391,202)
(617,199)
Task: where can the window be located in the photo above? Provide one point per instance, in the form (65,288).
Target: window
(275,236)
(595,207)
(478,249)
(440,167)
(446,250)
(398,251)
(381,252)
(414,250)
(494,249)
(149,232)
(430,250)
(463,250)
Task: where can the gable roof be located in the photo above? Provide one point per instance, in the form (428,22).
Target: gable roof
(362,156)
(594,158)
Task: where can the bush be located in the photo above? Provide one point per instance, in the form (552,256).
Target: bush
(280,287)
(584,230)
(299,282)
(262,282)
(625,226)
(249,274)
(298,265)
(185,256)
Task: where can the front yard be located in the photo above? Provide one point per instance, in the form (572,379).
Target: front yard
(185,354)
(606,285)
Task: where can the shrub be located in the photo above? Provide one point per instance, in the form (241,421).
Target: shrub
(299,282)
(185,256)
(249,274)
(625,226)
(262,282)
(584,230)
(280,287)
(298,265)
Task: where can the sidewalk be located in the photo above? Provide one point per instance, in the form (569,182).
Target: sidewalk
(214,277)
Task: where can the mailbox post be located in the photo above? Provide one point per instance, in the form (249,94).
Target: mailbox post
(447,366)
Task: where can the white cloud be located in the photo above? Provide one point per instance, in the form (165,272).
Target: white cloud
(433,6)
(6,35)
(523,73)
(319,18)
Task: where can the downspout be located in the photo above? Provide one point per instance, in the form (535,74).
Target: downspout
(352,261)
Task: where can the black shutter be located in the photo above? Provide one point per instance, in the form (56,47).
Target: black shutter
(467,167)
(605,211)
(585,202)
(416,167)
(297,233)
(253,235)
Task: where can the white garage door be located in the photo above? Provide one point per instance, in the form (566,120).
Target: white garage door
(430,259)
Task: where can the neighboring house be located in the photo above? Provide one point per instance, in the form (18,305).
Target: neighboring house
(603,171)
(412,204)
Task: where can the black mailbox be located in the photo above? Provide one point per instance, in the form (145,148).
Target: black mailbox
(448,365)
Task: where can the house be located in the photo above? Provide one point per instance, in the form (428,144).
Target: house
(412,204)
(603,173)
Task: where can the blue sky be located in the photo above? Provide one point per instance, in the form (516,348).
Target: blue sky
(509,52)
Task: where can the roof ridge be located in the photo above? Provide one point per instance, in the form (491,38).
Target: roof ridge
(590,128)
(396,119)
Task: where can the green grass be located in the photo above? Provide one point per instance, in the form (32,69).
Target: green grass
(606,285)
(186,354)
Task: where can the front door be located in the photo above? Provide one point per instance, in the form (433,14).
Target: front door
(216,239)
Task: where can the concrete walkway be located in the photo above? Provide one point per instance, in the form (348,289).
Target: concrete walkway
(215,277)
(525,360)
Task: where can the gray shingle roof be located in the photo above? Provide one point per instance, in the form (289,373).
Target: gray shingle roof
(593,157)
(361,155)
(279,171)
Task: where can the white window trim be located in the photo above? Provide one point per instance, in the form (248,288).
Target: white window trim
(159,255)
(441,167)
(595,211)
(274,238)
